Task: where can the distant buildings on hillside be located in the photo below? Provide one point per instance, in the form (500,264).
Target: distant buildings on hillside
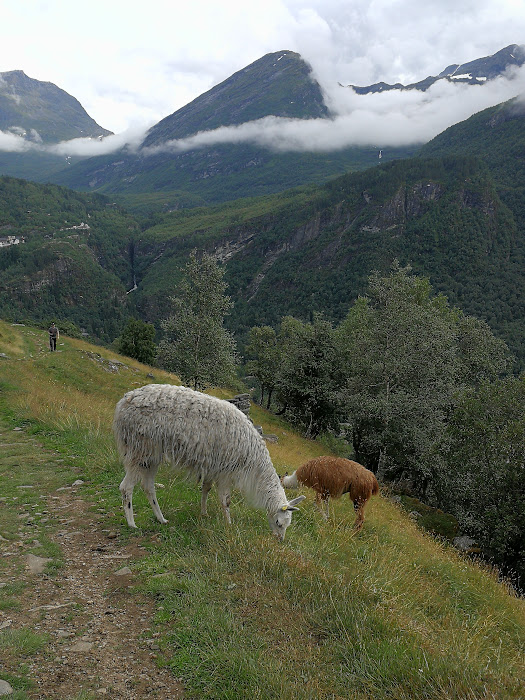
(11,240)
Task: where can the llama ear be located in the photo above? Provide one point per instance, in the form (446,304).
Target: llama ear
(293,503)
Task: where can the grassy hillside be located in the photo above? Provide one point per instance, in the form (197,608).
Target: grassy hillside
(386,613)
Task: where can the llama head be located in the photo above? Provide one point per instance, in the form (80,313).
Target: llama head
(280,520)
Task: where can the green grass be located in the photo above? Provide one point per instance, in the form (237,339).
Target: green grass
(388,613)
(22,642)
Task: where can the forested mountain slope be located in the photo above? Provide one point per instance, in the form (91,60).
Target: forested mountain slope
(312,250)
(303,251)
(72,262)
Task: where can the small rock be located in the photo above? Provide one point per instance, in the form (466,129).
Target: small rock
(78,482)
(63,634)
(17,429)
(464,542)
(35,564)
(5,688)
(125,571)
(82,646)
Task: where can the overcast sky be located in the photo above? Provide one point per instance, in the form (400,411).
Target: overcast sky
(130,64)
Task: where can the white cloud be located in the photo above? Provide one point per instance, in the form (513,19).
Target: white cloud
(392,118)
(13,143)
(384,119)
(130,62)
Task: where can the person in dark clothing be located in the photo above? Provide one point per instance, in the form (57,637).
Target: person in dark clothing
(53,337)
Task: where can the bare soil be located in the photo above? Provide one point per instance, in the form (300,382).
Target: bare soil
(101,637)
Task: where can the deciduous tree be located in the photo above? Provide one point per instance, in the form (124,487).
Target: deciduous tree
(196,345)
(138,341)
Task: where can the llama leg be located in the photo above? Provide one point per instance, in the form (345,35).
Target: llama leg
(126,489)
(326,499)
(318,501)
(359,507)
(225,499)
(206,486)
(148,484)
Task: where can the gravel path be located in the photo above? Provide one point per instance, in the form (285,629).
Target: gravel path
(101,637)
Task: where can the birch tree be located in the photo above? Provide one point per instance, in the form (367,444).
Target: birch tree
(196,345)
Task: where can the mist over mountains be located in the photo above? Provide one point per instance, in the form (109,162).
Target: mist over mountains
(268,127)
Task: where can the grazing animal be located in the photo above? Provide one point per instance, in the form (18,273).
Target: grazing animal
(211,439)
(332,477)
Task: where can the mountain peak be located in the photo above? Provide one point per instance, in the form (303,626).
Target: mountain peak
(474,72)
(30,105)
(278,84)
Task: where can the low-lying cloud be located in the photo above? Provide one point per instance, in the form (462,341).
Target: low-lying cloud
(385,119)
(16,141)
(393,118)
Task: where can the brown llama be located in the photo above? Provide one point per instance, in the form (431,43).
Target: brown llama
(331,477)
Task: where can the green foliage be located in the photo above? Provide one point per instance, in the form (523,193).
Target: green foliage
(74,261)
(396,374)
(264,358)
(308,374)
(196,345)
(432,519)
(406,355)
(485,479)
(137,341)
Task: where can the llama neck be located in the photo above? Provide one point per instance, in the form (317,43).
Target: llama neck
(291,481)
(264,488)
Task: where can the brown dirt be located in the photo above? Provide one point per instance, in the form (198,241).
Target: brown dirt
(101,637)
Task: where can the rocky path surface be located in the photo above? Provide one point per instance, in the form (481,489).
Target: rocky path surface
(101,640)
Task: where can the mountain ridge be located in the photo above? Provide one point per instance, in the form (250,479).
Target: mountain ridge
(42,109)
(474,72)
(290,91)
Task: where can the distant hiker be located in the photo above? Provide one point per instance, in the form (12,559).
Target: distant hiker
(53,336)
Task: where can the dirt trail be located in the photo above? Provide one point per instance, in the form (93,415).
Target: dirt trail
(101,638)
